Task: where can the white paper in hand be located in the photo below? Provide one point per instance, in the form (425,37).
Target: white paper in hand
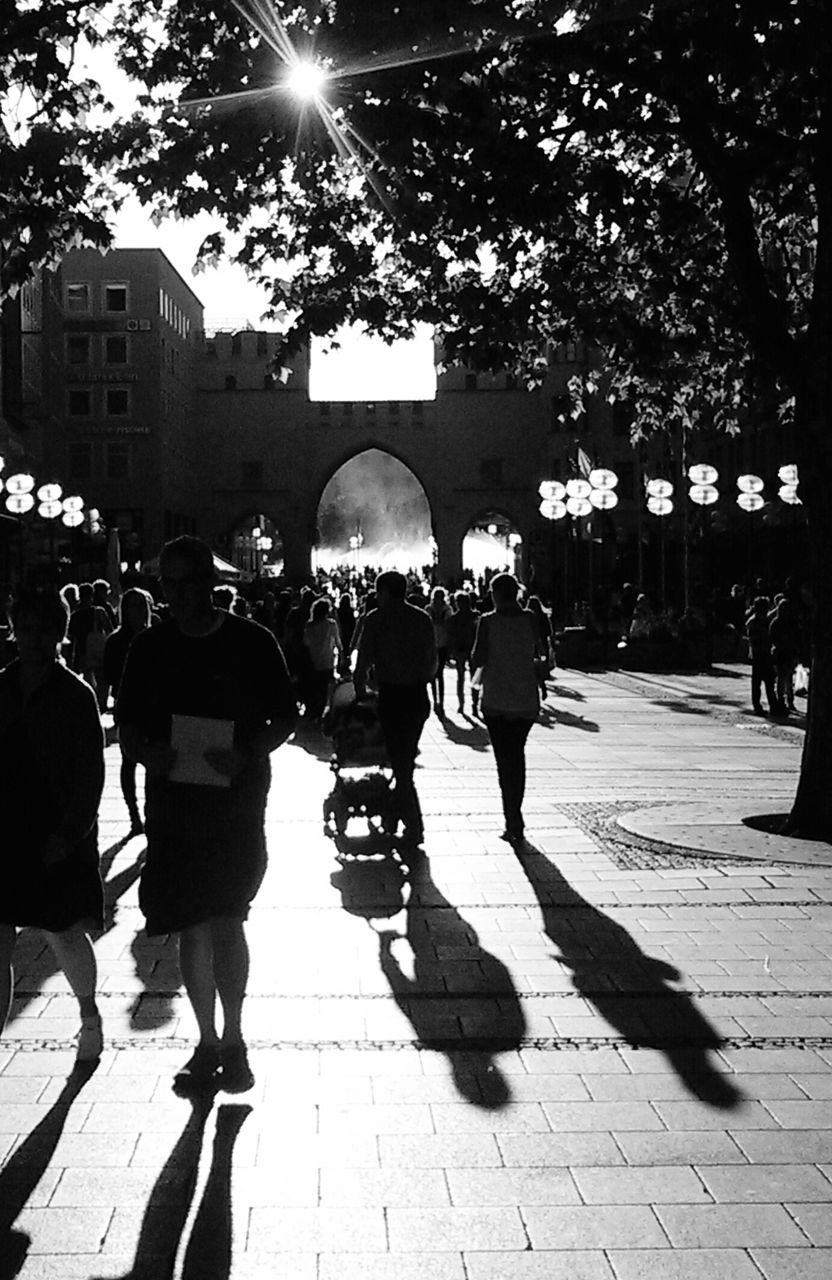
(192,736)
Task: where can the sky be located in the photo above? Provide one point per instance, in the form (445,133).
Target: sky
(362,368)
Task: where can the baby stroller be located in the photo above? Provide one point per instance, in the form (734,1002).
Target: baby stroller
(363,777)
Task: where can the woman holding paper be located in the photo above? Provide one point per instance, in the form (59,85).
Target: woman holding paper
(204,699)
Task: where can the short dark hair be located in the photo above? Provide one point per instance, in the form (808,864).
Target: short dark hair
(393,582)
(504,585)
(195,551)
(47,606)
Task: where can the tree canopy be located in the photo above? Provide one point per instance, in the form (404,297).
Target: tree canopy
(515,173)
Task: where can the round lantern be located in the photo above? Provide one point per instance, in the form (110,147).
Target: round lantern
(50,493)
(701,473)
(604,499)
(49,510)
(552,490)
(750,501)
(788,493)
(72,519)
(552,509)
(659,488)
(703,494)
(73,503)
(788,474)
(602,478)
(750,484)
(19,503)
(659,506)
(20,483)
(577,506)
(577,488)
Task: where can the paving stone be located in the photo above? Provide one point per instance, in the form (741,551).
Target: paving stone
(402,1188)
(561,1264)
(559,1149)
(439,1151)
(779,1146)
(455,1229)
(728,1225)
(657,1184)
(391,1266)
(801,1115)
(815,1220)
(331,1230)
(593,1227)
(472,1187)
(64,1231)
(764,1183)
(707,1146)
(683,1264)
(793,1264)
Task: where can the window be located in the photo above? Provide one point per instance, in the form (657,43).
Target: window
(79,460)
(115,348)
(470,382)
(237,344)
(347,408)
(262,344)
(251,474)
(393,408)
(417,410)
(117,402)
(78,298)
(230,382)
(79,402)
(324,409)
(77,348)
(370,410)
(115,297)
(117,460)
(491,472)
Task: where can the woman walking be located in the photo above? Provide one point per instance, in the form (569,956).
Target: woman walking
(505,651)
(52,765)
(134,615)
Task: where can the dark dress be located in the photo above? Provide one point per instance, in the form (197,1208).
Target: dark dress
(52,771)
(206,848)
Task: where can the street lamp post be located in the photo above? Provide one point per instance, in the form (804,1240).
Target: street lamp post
(750,499)
(553,508)
(660,504)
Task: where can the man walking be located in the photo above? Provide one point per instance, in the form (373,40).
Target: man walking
(397,643)
(205,698)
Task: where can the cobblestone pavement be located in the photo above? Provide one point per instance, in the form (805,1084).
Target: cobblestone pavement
(607,1058)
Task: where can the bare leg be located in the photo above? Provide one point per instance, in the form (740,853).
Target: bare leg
(231,966)
(8,935)
(196,960)
(74,952)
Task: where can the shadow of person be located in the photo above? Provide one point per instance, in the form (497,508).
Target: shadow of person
(26,1166)
(169,1204)
(458,997)
(208,1254)
(630,989)
(563,691)
(475,735)
(556,715)
(370,881)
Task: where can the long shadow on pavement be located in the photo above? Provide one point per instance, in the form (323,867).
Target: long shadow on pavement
(208,1251)
(458,997)
(630,989)
(550,716)
(26,1166)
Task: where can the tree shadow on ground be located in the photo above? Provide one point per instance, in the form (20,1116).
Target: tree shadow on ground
(630,989)
(458,997)
(26,1166)
(551,716)
(208,1252)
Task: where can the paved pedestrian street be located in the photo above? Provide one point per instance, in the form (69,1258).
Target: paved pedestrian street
(606,1057)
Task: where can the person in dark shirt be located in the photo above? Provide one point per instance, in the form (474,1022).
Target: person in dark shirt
(134,612)
(398,645)
(204,699)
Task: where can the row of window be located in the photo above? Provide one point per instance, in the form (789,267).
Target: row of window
(327,408)
(99,459)
(116,402)
(114,297)
(173,314)
(114,348)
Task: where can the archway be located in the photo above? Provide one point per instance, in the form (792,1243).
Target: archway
(255,546)
(373,514)
(491,545)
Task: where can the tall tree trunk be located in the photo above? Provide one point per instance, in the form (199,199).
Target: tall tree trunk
(811,813)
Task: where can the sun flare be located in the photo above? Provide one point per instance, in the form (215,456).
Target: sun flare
(306,80)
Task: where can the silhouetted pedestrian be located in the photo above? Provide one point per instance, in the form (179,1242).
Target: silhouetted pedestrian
(204,700)
(134,612)
(759,647)
(397,644)
(462,630)
(52,766)
(505,650)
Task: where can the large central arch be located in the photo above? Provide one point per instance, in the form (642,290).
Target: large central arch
(373,512)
